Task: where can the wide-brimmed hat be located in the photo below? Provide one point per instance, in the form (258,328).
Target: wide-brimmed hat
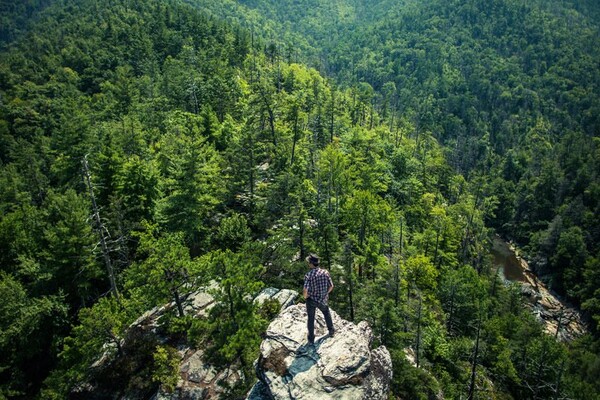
(313,259)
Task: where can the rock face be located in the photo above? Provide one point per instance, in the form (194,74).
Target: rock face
(559,319)
(200,380)
(285,297)
(344,367)
(339,367)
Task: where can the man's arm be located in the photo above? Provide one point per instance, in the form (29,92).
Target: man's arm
(330,288)
(306,286)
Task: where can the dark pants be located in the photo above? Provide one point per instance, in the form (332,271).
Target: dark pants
(311,306)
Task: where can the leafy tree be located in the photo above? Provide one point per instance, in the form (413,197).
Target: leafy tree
(545,368)
(166,272)
(191,168)
(99,334)
(234,327)
(446,118)
(421,273)
(29,325)
(166,372)
(68,253)
(569,258)
(459,292)
(137,191)
(366,215)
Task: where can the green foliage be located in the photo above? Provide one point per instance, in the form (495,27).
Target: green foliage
(410,382)
(216,156)
(233,232)
(459,292)
(137,190)
(165,269)
(68,250)
(570,255)
(270,309)
(421,273)
(191,169)
(28,325)
(166,367)
(235,322)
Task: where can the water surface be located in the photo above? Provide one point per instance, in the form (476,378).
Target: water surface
(505,258)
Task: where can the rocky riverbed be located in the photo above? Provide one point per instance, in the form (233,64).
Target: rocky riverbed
(558,317)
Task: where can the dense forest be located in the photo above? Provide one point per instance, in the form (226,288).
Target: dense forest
(148,148)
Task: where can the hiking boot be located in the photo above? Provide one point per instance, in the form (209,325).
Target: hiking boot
(331,333)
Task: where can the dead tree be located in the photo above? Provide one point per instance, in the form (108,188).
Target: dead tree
(101,229)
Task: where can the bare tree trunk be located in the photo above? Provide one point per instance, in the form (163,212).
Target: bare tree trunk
(468,227)
(397,275)
(270,112)
(451,311)
(495,282)
(301,231)
(559,322)
(251,176)
(558,379)
(327,249)
(437,242)
(178,302)
(332,120)
(253,59)
(101,229)
(348,262)
(231,306)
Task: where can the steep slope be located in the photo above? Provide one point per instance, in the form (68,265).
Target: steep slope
(208,159)
(17,17)
(510,88)
(211,156)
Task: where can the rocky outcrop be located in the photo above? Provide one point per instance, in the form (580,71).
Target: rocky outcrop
(558,318)
(126,377)
(339,367)
(285,297)
(198,379)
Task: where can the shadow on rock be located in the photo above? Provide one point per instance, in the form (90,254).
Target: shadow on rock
(306,357)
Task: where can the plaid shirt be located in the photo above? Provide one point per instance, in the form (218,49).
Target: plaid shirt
(317,282)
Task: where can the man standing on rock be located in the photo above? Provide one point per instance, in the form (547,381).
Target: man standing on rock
(317,286)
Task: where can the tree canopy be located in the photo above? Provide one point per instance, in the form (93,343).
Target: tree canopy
(149,148)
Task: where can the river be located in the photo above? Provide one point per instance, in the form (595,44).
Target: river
(506,259)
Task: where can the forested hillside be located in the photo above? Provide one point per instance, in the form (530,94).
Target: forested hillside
(510,88)
(150,147)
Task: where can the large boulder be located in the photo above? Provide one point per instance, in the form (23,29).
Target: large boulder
(340,367)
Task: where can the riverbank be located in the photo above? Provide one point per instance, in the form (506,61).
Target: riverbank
(559,318)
